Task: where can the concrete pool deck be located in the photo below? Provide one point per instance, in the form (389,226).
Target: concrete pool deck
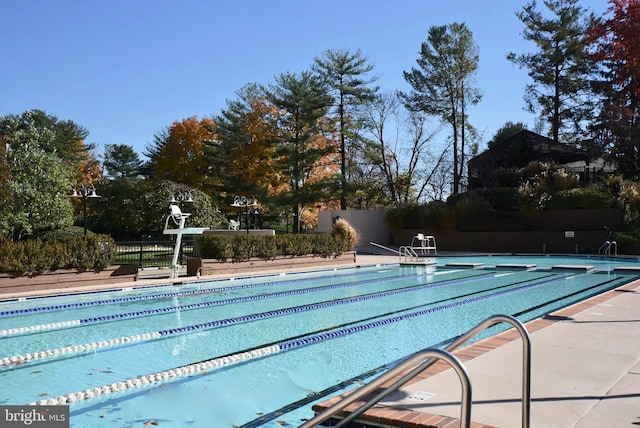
(585,370)
(585,373)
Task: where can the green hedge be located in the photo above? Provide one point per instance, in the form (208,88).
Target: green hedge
(581,198)
(39,255)
(241,248)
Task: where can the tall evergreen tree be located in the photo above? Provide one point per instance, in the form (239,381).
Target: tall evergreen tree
(64,138)
(121,161)
(5,176)
(302,101)
(42,159)
(348,77)
(506,131)
(560,69)
(443,85)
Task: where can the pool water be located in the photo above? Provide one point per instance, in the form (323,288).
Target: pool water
(259,351)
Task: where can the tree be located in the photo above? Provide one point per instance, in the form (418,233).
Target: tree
(615,44)
(560,70)
(398,145)
(303,151)
(40,186)
(243,154)
(121,161)
(44,158)
(132,206)
(64,138)
(5,176)
(506,131)
(347,75)
(177,153)
(443,85)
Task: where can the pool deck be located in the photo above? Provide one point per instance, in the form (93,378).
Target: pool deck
(585,371)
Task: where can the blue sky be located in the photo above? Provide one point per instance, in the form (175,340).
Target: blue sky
(126,69)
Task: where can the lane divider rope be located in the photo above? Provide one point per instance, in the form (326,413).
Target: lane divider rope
(147,312)
(75,349)
(218,362)
(159,296)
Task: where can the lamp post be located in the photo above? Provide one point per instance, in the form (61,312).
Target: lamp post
(246,202)
(179,196)
(84,191)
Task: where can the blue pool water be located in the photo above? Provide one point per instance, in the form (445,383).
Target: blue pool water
(260,351)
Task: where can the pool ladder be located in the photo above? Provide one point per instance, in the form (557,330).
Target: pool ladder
(407,253)
(605,249)
(426,359)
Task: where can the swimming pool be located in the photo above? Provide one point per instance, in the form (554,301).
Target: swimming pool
(260,351)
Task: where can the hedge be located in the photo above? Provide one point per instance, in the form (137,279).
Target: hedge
(39,255)
(241,248)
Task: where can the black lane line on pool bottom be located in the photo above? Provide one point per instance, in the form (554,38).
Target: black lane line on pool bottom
(243,299)
(574,294)
(168,295)
(360,379)
(287,346)
(348,328)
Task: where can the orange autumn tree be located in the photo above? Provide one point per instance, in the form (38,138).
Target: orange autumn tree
(252,161)
(177,153)
(244,153)
(325,171)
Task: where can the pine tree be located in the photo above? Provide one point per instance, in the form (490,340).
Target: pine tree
(560,70)
(443,85)
(121,161)
(348,77)
(302,146)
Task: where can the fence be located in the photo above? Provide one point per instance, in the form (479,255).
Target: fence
(146,253)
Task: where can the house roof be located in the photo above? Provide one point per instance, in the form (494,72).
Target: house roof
(524,147)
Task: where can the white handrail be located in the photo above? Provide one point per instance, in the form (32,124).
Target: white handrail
(605,248)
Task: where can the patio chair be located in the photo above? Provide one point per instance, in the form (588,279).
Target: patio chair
(234,225)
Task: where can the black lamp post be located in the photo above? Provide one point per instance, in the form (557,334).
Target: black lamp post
(84,191)
(245,202)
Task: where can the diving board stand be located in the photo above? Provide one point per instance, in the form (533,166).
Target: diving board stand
(179,218)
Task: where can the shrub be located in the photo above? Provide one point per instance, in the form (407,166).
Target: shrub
(436,215)
(502,198)
(580,198)
(629,200)
(242,248)
(73,252)
(405,216)
(347,232)
(469,204)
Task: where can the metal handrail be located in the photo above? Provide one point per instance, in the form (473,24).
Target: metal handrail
(431,355)
(605,248)
(386,377)
(406,252)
